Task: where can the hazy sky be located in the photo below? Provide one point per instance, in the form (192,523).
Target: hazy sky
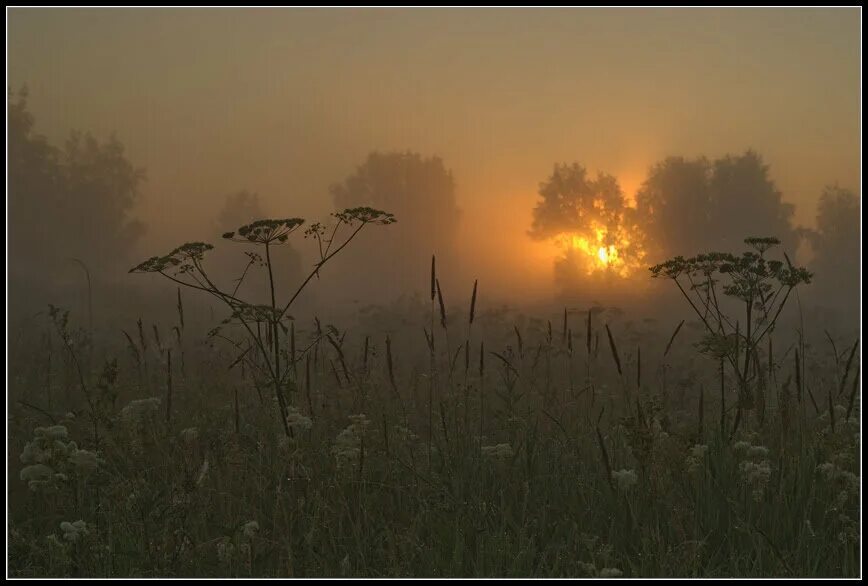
(286,102)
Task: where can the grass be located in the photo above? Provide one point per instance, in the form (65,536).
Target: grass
(174,457)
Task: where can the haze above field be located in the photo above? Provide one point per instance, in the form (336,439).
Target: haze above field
(285,103)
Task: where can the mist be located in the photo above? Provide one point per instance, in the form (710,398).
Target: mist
(287,103)
(526,177)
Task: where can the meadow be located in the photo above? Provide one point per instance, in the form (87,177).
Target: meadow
(429,439)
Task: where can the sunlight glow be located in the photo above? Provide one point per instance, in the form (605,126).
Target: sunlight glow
(597,251)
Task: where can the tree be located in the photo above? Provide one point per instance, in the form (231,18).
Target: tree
(588,218)
(239,208)
(675,204)
(419,190)
(694,205)
(745,200)
(836,246)
(66,203)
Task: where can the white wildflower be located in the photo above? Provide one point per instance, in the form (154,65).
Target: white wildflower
(55,432)
(625,479)
(741,446)
(40,476)
(611,573)
(756,476)
(498,452)
(250,529)
(225,550)
(828,470)
(140,409)
(405,434)
(348,445)
(757,452)
(84,461)
(190,435)
(297,421)
(74,531)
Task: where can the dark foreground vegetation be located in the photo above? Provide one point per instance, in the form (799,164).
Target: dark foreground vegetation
(435,441)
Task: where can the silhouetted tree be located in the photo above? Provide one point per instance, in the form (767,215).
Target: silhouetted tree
(745,202)
(420,191)
(690,206)
(674,203)
(591,222)
(70,202)
(836,247)
(239,208)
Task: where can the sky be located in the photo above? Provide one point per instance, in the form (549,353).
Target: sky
(286,102)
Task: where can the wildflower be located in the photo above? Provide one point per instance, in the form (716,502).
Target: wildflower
(34,453)
(757,452)
(190,435)
(828,469)
(405,434)
(140,409)
(41,476)
(625,479)
(850,479)
(756,476)
(360,420)
(696,457)
(55,432)
(611,573)
(84,461)
(74,531)
(347,448)
(348,444)
(250,529)
(296,421)
(741,446)
(225,550)
(498,452)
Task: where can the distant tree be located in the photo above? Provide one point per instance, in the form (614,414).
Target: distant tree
(690,206)
(588,217)
(64,203)
(746,202)
(836,246)
(99,188)
(421,192)
(675,205)
(34,181)
(239,208)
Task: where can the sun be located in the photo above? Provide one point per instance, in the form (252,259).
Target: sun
(597,251)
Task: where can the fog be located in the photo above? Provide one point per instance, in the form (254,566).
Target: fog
(434,292)
(287,104)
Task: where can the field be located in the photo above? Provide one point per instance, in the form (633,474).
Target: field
(429,443)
